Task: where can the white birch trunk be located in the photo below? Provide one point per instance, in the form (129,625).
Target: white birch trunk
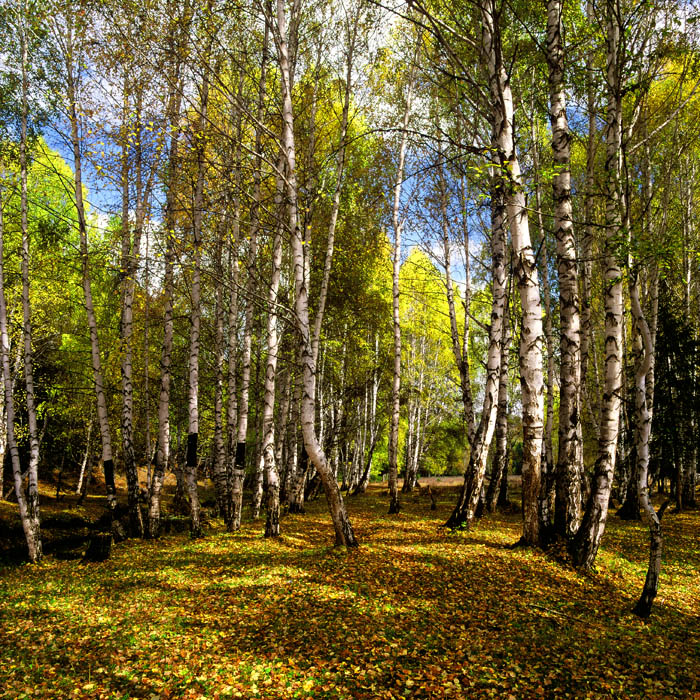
(30,525)
(531,375)
(243,404)
(98,381)
(585,546)
(393,448)
(33,512)
(344,534)
(464,512)
(569,469)
(129,266)
(162,453)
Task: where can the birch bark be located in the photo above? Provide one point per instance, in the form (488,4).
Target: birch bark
(30,522)
(33,512)
(531,375)
(243,404)
(393,448)
(569,468)
(344,534)
(70,53)
(585,545)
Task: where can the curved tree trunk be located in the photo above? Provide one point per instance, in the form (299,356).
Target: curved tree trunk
(344,534)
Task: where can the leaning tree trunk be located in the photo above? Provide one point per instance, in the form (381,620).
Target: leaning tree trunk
(499,469)
(33,467)
(344,534)
(585,545)
(531,376)
(464,512)
(643,404)
(569,468)
(459,349)
(30,525)
(98,381)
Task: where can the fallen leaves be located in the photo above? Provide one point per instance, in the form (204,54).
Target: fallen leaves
(414,613)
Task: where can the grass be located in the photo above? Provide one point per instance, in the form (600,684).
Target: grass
(416,612)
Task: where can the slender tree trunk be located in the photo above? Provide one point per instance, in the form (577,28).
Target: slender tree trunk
(30,521)
(644,416)
(219,476)
(272,523)
(394,505)
(33,512)
(585,545)
(196,313)
(464,512)
(587,237)
(499,467)
(129,266)
(162,452)
(547,474)
(86,457)
(243,405)
(460,350)
(344,534)
(569,467)
(98,381)
(531,376)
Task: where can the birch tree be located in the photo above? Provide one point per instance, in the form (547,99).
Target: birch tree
(344,534)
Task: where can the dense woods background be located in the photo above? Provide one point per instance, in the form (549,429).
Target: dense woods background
(280,250)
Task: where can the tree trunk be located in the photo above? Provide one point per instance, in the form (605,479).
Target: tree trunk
(531,377)
(394,505)
(30,522)
(243,405)
(499,467)
(644,416)
(129,267)
(219,476)
(585,545)
(162,452)
(569,465)
(272,523)
(98,382)
(33,468)
(547,471)
(464,512)
(344,534)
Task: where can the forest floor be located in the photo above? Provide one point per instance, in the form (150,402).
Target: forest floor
(415,612)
